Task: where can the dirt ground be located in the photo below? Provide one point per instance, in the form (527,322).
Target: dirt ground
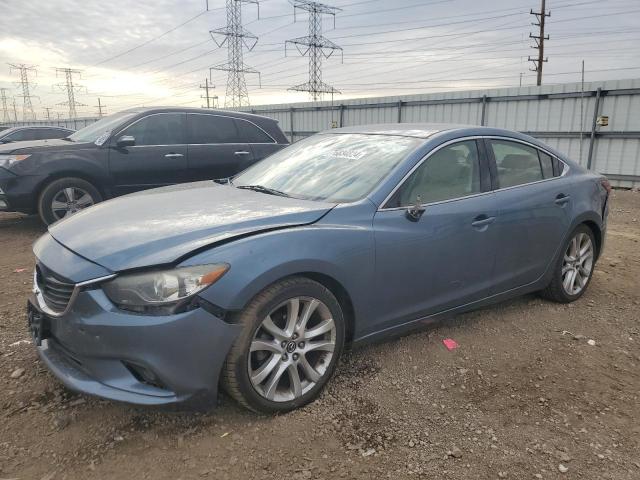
(524,396)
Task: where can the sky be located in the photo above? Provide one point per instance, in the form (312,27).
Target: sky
(159,53)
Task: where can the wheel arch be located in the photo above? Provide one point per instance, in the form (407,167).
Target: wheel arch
(343,297)
(57,175)
(597,235)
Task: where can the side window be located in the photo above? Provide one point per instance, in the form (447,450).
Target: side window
(516,163)
(253,134)
(546,162)
(55,133)
(205,129)
(21,135)
(158,129)
(451,172)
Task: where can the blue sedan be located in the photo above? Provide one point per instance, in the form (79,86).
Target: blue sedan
(258,282)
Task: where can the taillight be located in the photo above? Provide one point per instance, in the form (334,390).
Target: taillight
(607,186)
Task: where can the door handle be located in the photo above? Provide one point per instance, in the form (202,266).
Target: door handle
(173,155)
(562,199)
(242,152)
(482,221)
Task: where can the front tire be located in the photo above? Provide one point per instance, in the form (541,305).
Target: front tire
(574,269)
(292,338)
(64,197)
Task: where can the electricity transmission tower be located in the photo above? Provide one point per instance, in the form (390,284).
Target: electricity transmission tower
(27,105)
(6,117)
(100,108)
(71,90)
(539,40)
(212,100)
(235,36)
(316,45)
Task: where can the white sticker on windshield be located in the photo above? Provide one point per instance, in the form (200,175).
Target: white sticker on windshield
(348,154)
(102,138)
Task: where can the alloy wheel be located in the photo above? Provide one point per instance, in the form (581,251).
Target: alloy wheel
(292,349)
(577,264)
(69,201)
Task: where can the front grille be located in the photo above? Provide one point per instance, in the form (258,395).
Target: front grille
(55,292)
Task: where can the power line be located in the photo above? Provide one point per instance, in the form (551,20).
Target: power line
(71,89)
(147,42)
(27,106)
(317,47)
(235,36)
(539,41)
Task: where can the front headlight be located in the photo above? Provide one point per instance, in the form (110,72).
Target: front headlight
(162,290)
(7,160)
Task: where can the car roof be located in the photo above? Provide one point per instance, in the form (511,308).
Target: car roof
(34,127)
(211,111)
(418,130)
(426,130)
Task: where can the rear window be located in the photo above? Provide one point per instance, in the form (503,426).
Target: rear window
(253,134)
(206,129)
(517,164)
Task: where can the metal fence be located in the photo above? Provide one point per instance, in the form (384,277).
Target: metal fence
(564,116)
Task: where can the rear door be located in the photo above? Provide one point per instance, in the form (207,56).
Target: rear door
(158,158)
(262,144)
(533,201)
(217,148)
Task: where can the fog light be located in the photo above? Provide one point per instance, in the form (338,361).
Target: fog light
(3,205)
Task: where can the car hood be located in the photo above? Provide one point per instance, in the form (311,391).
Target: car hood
(34,146)
(162,225)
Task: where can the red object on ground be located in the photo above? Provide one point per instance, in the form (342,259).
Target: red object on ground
(450,344)
(19,270)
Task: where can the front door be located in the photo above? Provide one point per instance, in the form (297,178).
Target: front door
(158,158)
(533,204)
(445,257)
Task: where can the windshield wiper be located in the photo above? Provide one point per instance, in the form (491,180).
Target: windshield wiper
(262,189)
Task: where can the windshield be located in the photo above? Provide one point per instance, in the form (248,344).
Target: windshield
(329,167)
(93,132)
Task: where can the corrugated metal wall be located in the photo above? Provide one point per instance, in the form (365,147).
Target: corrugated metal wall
(549,112)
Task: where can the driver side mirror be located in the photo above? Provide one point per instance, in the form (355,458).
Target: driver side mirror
(415,211)
(126,141)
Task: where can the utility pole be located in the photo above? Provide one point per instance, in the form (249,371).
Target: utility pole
(212,100)
(539,41)
(235,36)
(47,112)
(100,107)
(316,45)
(15,111)
(521,74)
(71,89)
(27,105)
(6,117)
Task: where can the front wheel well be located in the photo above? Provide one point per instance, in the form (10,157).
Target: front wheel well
(343,297)
(65,174)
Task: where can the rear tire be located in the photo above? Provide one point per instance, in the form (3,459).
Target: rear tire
(292,338)
(64,197)
(573,270)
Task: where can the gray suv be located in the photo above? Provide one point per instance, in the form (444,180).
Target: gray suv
(129,151)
